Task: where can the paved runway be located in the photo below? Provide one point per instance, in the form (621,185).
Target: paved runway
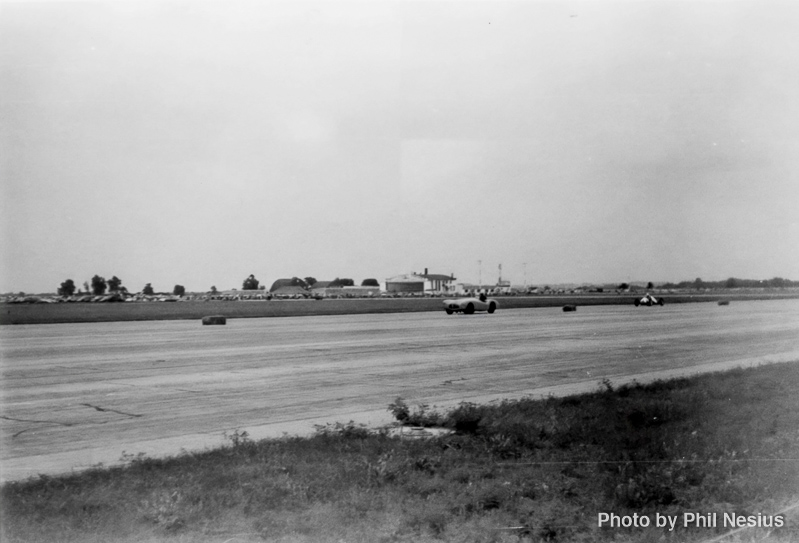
(77,394)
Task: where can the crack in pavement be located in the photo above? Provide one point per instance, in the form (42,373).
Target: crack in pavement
(34,421)
(111,410)
(21,432)
(155,387)
(38,421)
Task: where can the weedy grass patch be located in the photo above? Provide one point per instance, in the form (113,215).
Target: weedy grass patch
(512,471)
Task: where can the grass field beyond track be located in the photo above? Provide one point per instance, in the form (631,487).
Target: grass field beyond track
(142,311)
(517,471)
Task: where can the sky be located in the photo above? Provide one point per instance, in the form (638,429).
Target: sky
(196,143)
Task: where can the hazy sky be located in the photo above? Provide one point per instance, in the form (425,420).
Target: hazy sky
(196,143)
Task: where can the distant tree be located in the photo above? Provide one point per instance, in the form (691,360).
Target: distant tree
(777,282)
(342,282)
(251,283)
(114,284)
(86,286)
(179,290)
(147,290)
(732,282)
(650,285)
(623,286)
(213,290)
(98,285)
(297,282)
(67,288)
(310,281)
(370,283)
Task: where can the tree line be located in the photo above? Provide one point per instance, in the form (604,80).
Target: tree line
(99,285)
(733,282)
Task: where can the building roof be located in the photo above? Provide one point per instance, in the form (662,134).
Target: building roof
(289,290)
(407,278)
(438,277)
(321,284)
(283,283)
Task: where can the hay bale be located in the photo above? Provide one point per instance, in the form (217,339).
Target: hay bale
(724,302)
(214,319)
(569,308)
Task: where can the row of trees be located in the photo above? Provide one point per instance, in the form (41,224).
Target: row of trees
(733,282)
(624,286)
(178,290)
(99,286)
(251,283)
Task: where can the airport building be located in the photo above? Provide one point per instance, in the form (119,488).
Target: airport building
(408,283)
(421,282)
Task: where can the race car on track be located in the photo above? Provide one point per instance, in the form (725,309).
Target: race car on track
(470,305)
(648,299)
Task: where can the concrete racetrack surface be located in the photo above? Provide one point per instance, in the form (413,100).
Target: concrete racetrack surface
(74,395)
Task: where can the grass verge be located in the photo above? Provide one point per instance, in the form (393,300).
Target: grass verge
(527,470)
(142,311)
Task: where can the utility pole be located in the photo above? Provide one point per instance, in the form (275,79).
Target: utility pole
(525,275)
(479,273)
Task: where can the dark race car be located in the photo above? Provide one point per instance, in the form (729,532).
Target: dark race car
(649,300)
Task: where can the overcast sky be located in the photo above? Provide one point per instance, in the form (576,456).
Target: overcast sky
(196,143)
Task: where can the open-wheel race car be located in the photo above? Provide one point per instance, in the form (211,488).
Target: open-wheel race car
(648,299)
(470,305)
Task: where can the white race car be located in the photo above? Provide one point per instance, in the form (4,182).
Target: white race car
(648,299)
(470,305)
